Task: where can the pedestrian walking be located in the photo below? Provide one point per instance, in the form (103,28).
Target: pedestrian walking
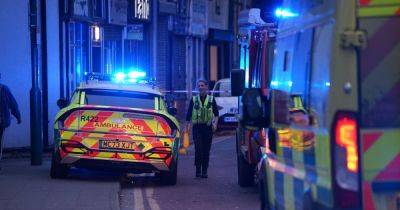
(202,116)
(7,104)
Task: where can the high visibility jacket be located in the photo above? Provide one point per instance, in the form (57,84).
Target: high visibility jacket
(202,113)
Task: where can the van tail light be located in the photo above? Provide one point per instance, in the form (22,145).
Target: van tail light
(346,137)
(346,163)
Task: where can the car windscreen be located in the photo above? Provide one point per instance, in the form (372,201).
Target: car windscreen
(120,99)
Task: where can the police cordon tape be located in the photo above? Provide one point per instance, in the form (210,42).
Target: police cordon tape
(194,91)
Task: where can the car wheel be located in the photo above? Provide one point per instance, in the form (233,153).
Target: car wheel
(170,177)
(58,170)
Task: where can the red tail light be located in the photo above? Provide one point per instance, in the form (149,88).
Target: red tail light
(73,147)
(346,163)
(346,137)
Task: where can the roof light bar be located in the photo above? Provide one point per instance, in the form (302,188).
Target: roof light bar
(285,13)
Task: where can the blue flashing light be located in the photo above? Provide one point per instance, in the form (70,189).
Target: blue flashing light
(136,74)
(327,84)
(290,83)
(285,13)
(120,76)
(274,83)
(133,76)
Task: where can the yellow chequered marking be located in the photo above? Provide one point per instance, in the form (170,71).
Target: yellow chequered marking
(126,156)
(105,154)
(67,134)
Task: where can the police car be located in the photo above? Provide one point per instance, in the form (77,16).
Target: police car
(119,126)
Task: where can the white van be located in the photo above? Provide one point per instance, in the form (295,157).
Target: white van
(227,105)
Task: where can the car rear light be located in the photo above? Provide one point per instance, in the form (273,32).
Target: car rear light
(159,153)
(346,164)
(73,147)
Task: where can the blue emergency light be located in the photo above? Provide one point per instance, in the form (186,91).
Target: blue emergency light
(119,77)
(284,13)
(131,77)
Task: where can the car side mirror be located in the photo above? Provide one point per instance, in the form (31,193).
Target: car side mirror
(237,82)
(256,108)
(62,103)
(172,111)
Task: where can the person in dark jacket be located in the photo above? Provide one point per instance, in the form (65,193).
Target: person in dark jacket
(203,116)
(7,104)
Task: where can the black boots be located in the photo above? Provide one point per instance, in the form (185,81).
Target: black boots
(198,171)
(201,172)
(204,173)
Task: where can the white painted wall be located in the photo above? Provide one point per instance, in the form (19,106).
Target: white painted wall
(15,64)
(53,63)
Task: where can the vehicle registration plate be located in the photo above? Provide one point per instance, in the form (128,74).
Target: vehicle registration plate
(124,145)
(230,119)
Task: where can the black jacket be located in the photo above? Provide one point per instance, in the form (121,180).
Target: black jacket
(7,104)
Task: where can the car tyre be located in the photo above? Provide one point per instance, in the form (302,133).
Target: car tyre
(170,177)
(58,170)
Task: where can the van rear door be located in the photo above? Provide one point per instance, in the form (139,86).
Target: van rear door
(380,103)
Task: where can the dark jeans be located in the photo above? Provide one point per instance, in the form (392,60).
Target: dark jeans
(202,137)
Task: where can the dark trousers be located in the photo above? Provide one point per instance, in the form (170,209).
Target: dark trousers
(202,137)
(1,141)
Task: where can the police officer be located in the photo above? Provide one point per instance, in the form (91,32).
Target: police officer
(7,104)
(203,116)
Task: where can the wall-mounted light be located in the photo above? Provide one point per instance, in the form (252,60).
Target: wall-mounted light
(96,33)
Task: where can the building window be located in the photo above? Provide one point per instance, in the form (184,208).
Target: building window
(78,53)
(112,56)
(98,9)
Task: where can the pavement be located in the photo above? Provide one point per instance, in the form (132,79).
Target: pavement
(23,186)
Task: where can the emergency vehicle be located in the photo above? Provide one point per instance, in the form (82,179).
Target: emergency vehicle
(227,105)
(341,148)
(117,125)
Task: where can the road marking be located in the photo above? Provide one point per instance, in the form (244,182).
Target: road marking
(221,139)
(138,199)
(152,202)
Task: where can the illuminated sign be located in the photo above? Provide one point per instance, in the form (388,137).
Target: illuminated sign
(141,9)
